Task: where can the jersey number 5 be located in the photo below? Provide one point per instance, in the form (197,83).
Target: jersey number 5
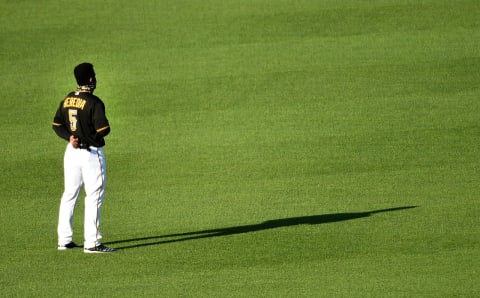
(72,118)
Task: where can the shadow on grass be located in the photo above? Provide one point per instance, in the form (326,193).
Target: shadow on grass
(270,224)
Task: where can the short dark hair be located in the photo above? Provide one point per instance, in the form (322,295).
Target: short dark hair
(83,72)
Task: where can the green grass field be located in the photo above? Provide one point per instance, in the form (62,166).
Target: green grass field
(259,148)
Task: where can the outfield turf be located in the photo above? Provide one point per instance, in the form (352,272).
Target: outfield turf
(259,148)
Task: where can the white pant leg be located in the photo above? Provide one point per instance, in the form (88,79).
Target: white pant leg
(73,184)
(94,178)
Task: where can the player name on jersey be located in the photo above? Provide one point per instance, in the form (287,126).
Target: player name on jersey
(74,102)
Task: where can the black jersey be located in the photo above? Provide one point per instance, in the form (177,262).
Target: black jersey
(82,114)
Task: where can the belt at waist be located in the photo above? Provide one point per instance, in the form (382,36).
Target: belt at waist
(87,147)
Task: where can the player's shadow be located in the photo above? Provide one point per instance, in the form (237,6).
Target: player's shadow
(270,224)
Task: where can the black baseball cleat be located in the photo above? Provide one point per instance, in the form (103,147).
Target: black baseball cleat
(98,249)
(67,246)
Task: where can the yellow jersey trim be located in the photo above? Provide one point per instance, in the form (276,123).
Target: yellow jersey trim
(102,129)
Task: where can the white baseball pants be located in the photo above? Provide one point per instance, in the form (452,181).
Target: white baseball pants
(82,167)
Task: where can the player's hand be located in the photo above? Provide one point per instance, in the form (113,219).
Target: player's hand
(74,141)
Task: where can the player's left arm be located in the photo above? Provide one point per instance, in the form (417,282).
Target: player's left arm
(61,131)
(59,125)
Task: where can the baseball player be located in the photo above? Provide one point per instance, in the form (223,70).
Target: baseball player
(81,120)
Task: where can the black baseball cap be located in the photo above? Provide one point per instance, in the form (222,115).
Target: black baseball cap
(83,72)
